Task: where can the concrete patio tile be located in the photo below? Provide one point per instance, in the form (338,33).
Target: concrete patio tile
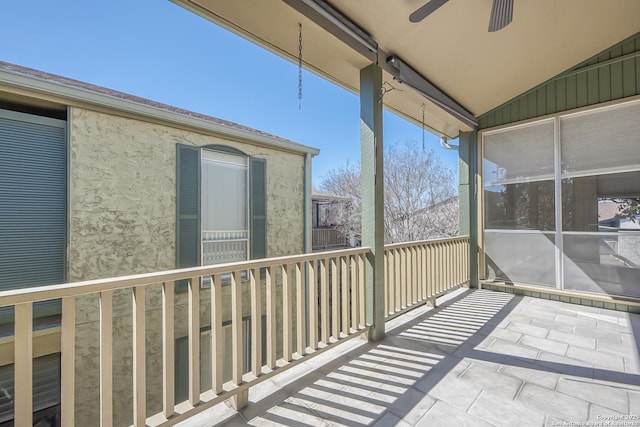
(565,365)
(543,313)
(378,396)
(585,331)
(572,339)
(553,326)
(546,345)
(391,420)
(511,349)
(630,340)
(507,413)
(443,415)
(634,402)
(553,403)
(378,389)
(519,318)
(449,391)
(411,406)
(619,349)
(611,397)
(599,359)
(527,329)
(506,335)
(597,413)
(532,374)
(494,382)
(615,328)
(631,364)
(339,408)
(289,413)
(576,320)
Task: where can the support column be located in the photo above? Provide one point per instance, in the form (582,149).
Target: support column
(372,194)
(469,200)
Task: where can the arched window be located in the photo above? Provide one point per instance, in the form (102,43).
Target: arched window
(221,206)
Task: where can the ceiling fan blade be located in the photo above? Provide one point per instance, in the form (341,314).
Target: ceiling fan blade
(501,14)
(426,10)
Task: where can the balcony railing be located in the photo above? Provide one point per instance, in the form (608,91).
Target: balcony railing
(308,303)
(324,238)
(417,272)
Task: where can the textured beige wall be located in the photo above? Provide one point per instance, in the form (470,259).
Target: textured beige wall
(122,221)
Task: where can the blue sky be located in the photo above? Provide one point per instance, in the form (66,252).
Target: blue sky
(157,50)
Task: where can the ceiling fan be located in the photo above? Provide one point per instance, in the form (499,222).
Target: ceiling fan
(501,13)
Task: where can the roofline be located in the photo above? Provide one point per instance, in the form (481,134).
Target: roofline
(69,92)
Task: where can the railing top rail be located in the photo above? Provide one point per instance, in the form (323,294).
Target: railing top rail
(425,242)
(48,292)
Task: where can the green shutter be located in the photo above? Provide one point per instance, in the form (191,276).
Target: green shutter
(258,198)
(188,206)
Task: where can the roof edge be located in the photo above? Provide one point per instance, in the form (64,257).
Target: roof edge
(74,93)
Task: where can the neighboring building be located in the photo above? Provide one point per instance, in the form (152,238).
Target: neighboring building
(327,219)
(96,183)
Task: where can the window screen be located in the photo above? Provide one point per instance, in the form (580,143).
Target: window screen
(519,155)
(603,141)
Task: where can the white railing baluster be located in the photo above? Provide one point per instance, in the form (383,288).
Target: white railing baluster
(168,349)
(256,322)
(301,301)
(335,299)
(344,288)
(361,290)
(313,304)
(68,361)
(388,290)
(23,368)
(355,297)
(324,300)
(287,323)
(236,328)
(271,317)
(217,340)
(106,355)
(139,357)
(194,340)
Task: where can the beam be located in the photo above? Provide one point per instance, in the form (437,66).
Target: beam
(403,73)
(334,22)
(372,193)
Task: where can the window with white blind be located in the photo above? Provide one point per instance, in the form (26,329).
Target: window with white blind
(576,227)
(603,141)
(224,204)
(522,154)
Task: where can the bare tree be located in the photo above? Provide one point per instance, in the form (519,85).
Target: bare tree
(420,195)
(345,181)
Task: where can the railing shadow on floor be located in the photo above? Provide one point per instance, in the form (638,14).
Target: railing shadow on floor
(385,382)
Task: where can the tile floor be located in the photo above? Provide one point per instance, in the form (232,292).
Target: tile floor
(482,358)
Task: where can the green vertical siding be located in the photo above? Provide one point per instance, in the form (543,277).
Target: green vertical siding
(613,74)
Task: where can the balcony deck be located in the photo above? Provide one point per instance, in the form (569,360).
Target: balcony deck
(481,358)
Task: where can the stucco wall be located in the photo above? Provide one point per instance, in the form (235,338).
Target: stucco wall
(122,221)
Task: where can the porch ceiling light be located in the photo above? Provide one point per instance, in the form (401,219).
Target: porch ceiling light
(403,73)
(340,21)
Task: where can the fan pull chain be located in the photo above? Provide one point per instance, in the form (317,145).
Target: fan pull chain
(299,66)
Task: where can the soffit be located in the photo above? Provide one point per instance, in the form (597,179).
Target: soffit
(451,47)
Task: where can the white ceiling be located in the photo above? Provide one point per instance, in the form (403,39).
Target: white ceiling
(451,47)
